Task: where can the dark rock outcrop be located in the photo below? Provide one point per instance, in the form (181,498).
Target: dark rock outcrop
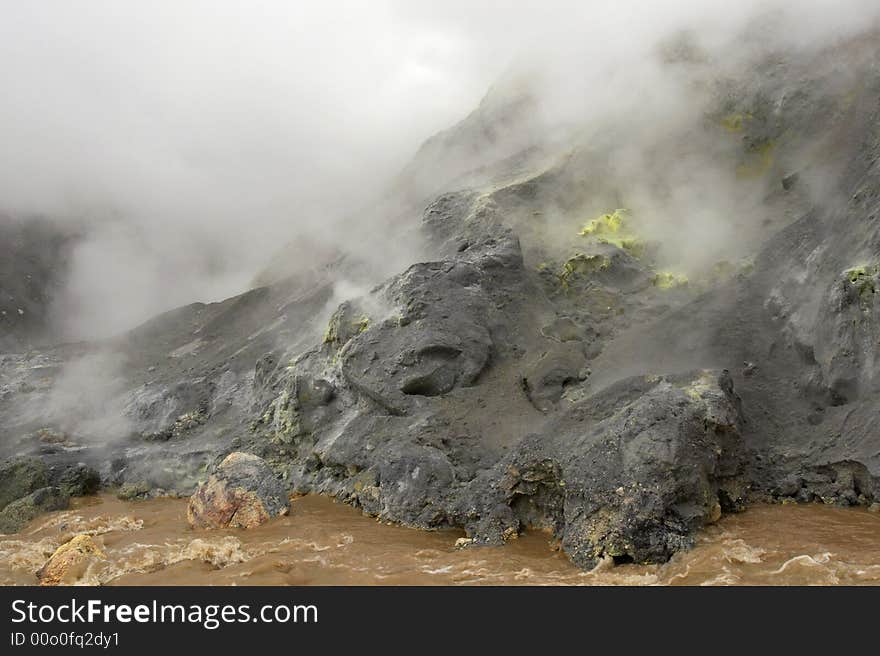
(21,476)
(18,514)
(79,480)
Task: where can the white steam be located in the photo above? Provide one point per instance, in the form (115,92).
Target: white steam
(196,137)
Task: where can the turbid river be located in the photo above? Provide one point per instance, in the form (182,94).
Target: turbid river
(321,542)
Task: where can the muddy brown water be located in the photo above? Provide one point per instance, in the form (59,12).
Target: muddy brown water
(322,542)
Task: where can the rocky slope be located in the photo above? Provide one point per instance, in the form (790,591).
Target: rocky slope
(550,363)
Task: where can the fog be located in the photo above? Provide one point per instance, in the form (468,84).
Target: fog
(195,138)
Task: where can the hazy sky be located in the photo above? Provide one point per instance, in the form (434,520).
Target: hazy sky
(205,133)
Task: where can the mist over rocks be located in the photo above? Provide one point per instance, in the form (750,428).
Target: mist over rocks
(35,255)
(429,425)
(618,324)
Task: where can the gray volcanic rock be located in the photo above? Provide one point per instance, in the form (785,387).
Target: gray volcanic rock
(173,394)
(541,366)
(544,381)
(630,472)
(634,471)
(847,335)
(439,340)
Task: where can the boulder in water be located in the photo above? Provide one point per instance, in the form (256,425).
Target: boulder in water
(21,476)
(70,561)
(242,493)
(17,514)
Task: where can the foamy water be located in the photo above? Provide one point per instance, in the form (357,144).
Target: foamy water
(321,542)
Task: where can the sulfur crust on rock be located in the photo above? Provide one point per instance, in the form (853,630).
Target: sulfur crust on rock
(580,264)
(669,280)
(611,228)
(605,224)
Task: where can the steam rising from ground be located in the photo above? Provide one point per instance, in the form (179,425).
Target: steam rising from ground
(86,399)
(195,137)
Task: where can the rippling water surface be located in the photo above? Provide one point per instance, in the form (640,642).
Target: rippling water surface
(321,542)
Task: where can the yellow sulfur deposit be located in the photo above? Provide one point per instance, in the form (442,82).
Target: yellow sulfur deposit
(735,122)
(668,280)
(611,229)
(580,264)
(606,224)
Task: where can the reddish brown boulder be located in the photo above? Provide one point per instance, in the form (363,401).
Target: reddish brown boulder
(242,493)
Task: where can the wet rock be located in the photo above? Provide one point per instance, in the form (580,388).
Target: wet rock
(242,493)
(534,490)
(130,491)
(415,481)
(844,483)
(19,513)
(789,486)
(633,472)
(79,480)
(70,561)
(21,476)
